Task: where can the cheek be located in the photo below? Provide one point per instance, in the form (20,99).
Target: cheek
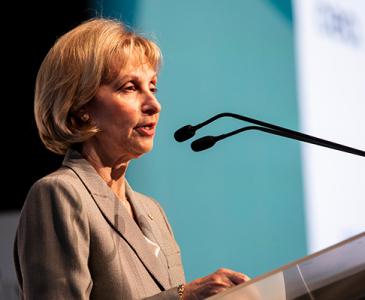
(117,116)
(126,118)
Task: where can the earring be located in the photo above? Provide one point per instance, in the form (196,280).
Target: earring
(85,117)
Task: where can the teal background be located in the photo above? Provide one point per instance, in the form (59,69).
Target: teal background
(240,204)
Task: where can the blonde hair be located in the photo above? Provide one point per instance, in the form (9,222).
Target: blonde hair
(80,61)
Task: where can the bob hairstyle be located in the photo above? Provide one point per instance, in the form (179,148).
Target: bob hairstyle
(81,60)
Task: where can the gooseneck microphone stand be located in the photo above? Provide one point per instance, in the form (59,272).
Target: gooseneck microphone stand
(188,131)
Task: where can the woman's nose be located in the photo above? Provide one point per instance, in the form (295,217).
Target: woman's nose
(151,105)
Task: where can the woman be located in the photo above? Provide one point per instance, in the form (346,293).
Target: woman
(83,232)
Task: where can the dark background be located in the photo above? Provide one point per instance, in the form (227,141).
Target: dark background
(26,39)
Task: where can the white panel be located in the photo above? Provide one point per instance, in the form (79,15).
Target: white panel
(330,38)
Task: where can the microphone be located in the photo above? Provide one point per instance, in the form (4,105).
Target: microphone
(184,133)
(206,142)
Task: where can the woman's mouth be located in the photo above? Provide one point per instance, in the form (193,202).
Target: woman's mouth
(147,129)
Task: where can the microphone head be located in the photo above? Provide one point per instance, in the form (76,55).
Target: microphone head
(203,143)
(184,133)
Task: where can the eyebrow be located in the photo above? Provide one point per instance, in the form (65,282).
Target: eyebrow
(126,78)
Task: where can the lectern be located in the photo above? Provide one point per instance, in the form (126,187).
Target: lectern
(336,273)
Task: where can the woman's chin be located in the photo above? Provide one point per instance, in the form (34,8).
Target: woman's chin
(143,149)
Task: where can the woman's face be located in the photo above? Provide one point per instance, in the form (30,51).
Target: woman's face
(126,111)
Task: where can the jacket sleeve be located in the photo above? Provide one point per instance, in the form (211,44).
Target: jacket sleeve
(52,243)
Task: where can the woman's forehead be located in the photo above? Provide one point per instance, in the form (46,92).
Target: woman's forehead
(134,66)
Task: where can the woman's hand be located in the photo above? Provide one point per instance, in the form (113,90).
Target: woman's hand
(212,284)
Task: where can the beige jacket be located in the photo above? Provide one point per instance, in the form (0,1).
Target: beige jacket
(75,240)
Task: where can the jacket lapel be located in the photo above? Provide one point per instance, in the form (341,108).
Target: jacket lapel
(148,224)
(116,215)
(147,221)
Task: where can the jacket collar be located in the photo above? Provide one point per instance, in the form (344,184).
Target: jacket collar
(116,214)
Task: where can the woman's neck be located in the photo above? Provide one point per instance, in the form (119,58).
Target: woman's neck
(111,170)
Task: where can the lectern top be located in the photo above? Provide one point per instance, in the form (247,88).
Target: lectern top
(337,272)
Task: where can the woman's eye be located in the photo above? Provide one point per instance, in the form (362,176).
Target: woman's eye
(129,87)
(154,89)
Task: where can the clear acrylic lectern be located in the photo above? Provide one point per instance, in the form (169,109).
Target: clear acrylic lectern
(336,273)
